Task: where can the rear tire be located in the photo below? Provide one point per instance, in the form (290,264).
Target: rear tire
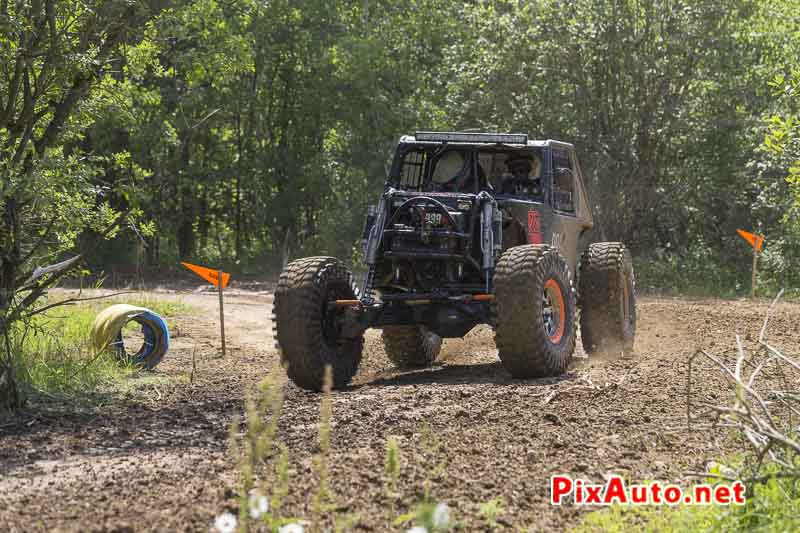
(535,311)
(607,299)
(306,327)
(411,346)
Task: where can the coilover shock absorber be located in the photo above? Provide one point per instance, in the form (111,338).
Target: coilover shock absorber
(367,292)
(491,235)
(371,248)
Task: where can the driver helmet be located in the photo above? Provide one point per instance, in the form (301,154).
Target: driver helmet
(448,167)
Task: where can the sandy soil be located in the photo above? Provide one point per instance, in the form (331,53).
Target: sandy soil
(157,457)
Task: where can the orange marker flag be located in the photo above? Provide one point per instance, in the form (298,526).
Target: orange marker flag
(755,240)
(209,274)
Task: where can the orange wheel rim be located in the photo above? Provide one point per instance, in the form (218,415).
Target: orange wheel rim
(553,311)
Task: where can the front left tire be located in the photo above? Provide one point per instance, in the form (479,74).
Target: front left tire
(307,324)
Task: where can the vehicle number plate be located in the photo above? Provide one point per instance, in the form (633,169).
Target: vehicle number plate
(433,218)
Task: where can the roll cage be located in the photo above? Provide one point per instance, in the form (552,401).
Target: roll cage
(414,161)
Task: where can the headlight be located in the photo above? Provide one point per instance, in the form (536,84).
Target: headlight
(464,205)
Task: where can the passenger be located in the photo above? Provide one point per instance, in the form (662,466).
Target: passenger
(522,181)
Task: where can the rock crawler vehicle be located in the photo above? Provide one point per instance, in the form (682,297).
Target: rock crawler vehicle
(471,228)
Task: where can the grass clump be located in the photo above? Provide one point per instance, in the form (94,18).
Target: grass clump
(428,515)
(491,511)
(264,477)
(54,357)
(263,485)
(631,519)
(263,467)
(774,506)
(391,476)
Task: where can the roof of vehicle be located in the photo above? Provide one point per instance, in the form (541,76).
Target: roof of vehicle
(480,139)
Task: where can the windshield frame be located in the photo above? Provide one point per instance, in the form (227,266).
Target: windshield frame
(399,176)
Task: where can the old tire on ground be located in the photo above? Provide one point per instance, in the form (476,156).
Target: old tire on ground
(535,311)
(607,299)
(411,346)
(306,325)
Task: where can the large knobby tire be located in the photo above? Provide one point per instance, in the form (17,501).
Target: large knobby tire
(607,299)
(535,311)
(306,329)
(411,346)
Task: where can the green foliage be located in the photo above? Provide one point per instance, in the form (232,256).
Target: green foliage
(391,473)
(621,519)
(772,506)
(695,272)
(780,169)
(263,463)
(263,473)
(262,484)
(624,81)
(259,133)
(253,126)
(49,191)
(491,511)
(432,516)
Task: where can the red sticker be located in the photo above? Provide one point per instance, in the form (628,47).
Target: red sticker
(534,228)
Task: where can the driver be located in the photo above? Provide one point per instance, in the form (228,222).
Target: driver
(520,182)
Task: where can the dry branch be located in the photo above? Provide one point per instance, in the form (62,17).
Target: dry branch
(760,414)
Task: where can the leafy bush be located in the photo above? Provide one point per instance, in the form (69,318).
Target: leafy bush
(47,193)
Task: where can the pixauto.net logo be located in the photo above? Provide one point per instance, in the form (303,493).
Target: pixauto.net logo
(565,489)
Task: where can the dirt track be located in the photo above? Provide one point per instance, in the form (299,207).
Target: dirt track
(158,460)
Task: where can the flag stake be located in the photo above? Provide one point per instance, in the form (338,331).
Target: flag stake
(757,242)
(219,279)
(221,315)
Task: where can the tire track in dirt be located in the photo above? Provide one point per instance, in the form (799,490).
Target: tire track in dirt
(158,460)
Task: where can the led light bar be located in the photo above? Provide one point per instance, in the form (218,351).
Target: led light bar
(455,136)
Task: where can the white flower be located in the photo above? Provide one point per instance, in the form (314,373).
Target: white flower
(258,505)
(291,528)
(441,516)
(225,523)
(418,529)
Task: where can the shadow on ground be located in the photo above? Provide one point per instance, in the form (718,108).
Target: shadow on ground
(460,374)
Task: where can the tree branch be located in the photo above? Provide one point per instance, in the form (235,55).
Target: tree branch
(71,301)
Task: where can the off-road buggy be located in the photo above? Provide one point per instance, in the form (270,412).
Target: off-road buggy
(470,229)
